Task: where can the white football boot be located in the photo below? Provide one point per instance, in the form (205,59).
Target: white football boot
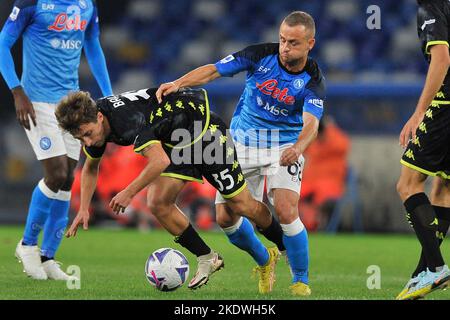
(207,265)
(53,270)
(30,258)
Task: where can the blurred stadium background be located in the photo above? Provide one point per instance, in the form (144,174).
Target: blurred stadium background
(374,78)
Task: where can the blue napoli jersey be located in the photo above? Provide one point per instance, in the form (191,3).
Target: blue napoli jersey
(270,110)
(53,34)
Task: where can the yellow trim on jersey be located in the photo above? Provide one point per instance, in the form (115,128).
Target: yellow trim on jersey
(180,176)
(205,128)
(441,174)
(440,102)
(146,145)
(88,155)
(432,43)
(229,196)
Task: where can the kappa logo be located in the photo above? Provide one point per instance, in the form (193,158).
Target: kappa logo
(14,13)
(427,22)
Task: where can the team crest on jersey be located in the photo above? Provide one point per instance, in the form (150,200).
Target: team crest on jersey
(83,4)
(299,83)
(45,143)
(14,13)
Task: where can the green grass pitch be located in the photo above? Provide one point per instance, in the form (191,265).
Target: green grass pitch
(112,267)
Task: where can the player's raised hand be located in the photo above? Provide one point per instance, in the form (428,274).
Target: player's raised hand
(120,201)
(410,128)
(289,156)
(165,89)
(81,218)
(24,108)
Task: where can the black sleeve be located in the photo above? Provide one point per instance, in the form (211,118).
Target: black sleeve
(145,138)
(94,152)
(432,24)
(245,59)
(257,52)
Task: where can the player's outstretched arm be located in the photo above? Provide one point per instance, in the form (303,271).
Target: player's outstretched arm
(89,175)
(439,64)
(196,77)
(308,134)
(97,63)
(158,161)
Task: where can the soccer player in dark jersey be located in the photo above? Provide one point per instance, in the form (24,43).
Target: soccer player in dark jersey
(182,140)
(276,118)
(426,137)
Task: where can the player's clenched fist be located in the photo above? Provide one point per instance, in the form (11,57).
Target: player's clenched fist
(166,89)
(289,156)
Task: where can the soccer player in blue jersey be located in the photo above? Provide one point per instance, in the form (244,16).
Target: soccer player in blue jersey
(54,33)
(276,118)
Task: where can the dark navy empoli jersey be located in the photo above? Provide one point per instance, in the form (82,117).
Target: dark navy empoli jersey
(136,118)
(274,99)
(433,23)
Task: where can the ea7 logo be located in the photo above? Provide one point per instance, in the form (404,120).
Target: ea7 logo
(427,22)
(46,6)
(316,102)
(14,14)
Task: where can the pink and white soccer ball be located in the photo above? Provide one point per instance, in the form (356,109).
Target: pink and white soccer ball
(167,269)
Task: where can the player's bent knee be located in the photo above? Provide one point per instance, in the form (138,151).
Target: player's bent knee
(57,179)
(223,218)
(158,206)
(243,208)
(286,213)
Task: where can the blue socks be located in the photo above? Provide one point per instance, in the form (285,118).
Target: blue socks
(243,236)
(55,226)
(38,212)
(295,239)
(49,211)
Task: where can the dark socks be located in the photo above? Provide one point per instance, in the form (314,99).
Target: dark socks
(443,216)
(274,233)
(44,258)
(422,217)
(191,240)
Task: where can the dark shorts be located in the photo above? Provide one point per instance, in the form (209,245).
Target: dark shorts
(213,157)
(429,153)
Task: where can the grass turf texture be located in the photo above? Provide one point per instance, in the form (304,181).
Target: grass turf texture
(112,267)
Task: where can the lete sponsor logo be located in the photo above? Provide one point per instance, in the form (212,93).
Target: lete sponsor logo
(63,22)
(270,88)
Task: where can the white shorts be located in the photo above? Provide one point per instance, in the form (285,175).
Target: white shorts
(47,139)
(258,164)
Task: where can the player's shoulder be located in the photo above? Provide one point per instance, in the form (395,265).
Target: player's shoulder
(259,51)
(317,81)
(430,8)
(314,71)
(21,4)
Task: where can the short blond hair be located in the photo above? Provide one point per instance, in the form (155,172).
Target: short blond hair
(74,110)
